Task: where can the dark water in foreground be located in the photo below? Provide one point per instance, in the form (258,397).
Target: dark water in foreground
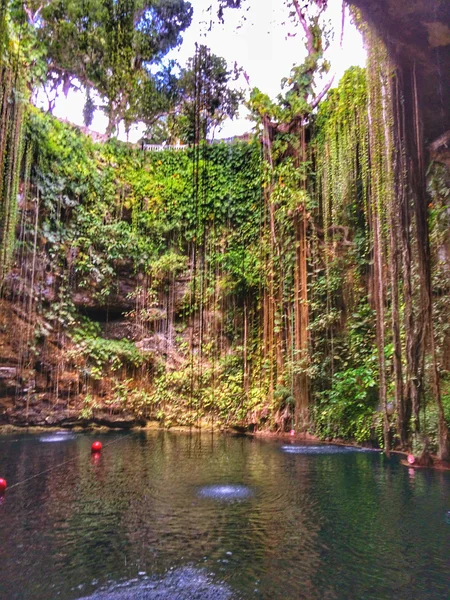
(169,516)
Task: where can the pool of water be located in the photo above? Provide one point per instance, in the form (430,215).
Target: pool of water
(172,516)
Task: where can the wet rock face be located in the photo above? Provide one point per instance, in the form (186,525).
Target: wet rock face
(8,373)
(38,413)
(7,380)
(40,416)
(122,421)
(122,299)
(417,34)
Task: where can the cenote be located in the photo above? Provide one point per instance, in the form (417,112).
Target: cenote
(171,515)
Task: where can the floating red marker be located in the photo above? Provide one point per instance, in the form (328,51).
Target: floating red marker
(292,432)
(3,486)
(96,447)
(411,459)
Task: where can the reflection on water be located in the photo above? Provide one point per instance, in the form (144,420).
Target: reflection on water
(135,521)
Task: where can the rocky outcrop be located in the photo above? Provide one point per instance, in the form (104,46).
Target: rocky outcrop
(38,413)
(122,421)
(51,385)
(8,377)
(440,149)
(417,35)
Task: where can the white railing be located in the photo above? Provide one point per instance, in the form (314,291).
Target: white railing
(161,147)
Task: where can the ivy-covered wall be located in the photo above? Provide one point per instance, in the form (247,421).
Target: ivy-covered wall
(131,275)
(166,285)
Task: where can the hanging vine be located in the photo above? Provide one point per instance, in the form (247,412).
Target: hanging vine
(13,96)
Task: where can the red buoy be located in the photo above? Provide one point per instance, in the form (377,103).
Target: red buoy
(96,447)
(3,486)
(292,432)
(411,459)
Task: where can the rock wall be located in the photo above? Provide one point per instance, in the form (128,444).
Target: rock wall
(41,384)
(417,34)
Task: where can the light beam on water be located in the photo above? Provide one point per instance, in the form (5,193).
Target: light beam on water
(59,436)
(227,492)
(325,449)
(178,584)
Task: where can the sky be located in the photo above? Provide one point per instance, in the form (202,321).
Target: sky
(259,38)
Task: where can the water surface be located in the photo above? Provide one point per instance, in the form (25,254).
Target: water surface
(172,516)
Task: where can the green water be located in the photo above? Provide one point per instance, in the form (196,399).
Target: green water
(144,521)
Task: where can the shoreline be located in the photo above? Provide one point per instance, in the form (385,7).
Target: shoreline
(204,428)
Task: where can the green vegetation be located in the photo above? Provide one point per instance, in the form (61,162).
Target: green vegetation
(108,212)
(15,74)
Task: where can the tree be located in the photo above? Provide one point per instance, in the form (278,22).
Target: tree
(201,98)
(207,99)
(110,46)
(300,97)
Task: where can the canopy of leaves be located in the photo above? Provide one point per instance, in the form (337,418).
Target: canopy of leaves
(126,205)
(108,45)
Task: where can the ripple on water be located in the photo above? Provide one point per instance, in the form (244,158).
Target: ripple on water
(178,584)
(227,492)
(59,436)
(325,449)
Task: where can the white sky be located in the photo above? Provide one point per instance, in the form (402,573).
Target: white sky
(259,38)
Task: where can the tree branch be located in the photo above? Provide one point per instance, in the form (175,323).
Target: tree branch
(306,28)
(318,98)
(32,18)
